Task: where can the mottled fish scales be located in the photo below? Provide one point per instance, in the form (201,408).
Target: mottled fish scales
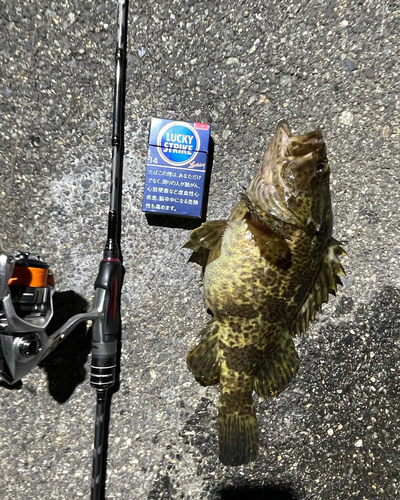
(268,270)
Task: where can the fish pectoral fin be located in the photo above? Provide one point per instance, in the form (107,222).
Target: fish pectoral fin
(325,283)
(200,256)
(207,235)
(202,360)
(205,239)
(278,369)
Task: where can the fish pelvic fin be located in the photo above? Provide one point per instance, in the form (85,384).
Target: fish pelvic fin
(325,283)
(202,360)
(205,239)
(238,433)
(278,369)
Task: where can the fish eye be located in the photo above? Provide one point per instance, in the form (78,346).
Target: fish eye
(322,167)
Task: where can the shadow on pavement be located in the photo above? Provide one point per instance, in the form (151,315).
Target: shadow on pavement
(257,493)
(65,366)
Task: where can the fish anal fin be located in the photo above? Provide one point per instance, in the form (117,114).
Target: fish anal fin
(325,283)
(202,360)
(204,240)
(278,369)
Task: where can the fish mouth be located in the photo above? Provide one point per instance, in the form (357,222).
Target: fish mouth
(268,190)
(284,145)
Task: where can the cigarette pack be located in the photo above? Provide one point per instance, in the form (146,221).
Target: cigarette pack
(176,168)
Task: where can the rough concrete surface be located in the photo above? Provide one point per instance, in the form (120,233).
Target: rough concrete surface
(242,66)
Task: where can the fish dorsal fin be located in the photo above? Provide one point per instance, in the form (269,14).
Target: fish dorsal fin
(205,239)
(326,282)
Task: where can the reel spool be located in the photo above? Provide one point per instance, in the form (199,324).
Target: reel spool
(29,285)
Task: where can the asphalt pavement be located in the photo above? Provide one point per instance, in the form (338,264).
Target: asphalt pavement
(240,66)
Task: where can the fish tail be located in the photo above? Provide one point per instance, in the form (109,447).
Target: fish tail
(238,437)
(238,433)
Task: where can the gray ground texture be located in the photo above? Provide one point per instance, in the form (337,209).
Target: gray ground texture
(241,66)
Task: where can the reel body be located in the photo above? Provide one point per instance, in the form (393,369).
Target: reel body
(26,308)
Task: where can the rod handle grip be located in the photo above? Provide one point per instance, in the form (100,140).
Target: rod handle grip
(105,330)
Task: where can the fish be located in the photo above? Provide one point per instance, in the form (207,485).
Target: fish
(267,270)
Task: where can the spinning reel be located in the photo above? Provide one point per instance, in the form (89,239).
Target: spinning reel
(26,308)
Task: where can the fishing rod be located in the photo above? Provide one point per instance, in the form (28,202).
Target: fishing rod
(27,288)
(109,279)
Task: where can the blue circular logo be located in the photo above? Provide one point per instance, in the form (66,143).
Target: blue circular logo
(178,143)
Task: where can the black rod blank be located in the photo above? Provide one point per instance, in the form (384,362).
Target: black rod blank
(119,98)
(98,449)
(105,332)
